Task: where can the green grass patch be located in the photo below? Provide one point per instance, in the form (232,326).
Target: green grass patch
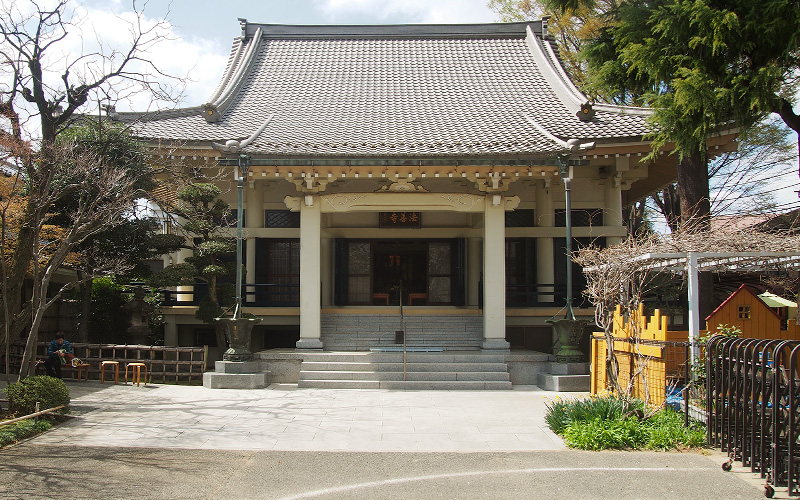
(608,422)
(12,433)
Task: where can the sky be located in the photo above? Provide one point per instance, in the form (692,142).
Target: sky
(196,36)
(203,31)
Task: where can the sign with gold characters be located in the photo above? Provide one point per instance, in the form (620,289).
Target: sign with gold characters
(399,219)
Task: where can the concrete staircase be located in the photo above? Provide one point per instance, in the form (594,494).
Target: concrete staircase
(467,370)
(361,332)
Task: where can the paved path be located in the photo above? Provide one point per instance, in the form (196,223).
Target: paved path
(288,418)
(32,471)
(288,443)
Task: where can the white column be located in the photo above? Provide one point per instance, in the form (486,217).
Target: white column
(494,273)
(310,232)
(473,270)
(694,304)
(545,217)
(326,263)
(613,212)
(254,218)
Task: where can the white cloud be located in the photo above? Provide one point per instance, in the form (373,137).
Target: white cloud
(421,11)
(197,61)
(97,41)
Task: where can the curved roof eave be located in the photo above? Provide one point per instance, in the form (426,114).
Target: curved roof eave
(562,85)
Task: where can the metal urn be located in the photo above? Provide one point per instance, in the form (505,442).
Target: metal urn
(569,332)
(237,331)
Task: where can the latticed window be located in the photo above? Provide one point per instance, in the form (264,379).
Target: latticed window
(281,219)
(581,217)
(283,271)
(359,278)
(439,271)
(521,218)
(744,312)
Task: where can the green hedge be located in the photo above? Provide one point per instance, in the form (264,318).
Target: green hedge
(48,391)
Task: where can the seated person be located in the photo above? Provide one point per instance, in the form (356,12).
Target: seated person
(56,352)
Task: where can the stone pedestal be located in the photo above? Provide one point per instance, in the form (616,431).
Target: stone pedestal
(495,345)
(309,344)
(236,375)
(566,377)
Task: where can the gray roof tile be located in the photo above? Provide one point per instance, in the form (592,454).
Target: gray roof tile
(388,95)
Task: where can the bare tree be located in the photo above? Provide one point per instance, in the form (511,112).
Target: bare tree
(619,276)
(41,96)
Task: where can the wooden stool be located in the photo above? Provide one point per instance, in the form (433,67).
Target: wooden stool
(115,364)
(136,372)
(83,370)
(381,296)
(416,296)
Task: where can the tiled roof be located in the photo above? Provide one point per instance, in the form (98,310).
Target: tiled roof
(388,91)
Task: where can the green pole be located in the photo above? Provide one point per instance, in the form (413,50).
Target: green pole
(244,165)
(563,170)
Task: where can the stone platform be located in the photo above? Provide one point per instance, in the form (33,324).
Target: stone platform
(236,375)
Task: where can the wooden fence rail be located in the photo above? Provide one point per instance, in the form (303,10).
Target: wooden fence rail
(164,364)
(652,358)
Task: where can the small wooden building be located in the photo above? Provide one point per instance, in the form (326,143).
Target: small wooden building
(746,310)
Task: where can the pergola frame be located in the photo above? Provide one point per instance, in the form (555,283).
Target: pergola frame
(693,262)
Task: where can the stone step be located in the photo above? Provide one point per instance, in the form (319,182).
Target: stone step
(459,385)
(398,367)
(339,384)
(410,376)
(411,357)
(467,370)
(359,332)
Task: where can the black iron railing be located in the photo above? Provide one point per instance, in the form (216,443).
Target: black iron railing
(288,295)
(752,391)
(253,295)
(540,295)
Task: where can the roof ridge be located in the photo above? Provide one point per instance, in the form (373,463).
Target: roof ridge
(232,81)
(233,60)
(146,116)
(472,30)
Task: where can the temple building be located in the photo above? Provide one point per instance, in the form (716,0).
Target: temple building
(419,165)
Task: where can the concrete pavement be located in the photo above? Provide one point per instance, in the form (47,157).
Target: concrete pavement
(33,471)
(285,443)
(283,417)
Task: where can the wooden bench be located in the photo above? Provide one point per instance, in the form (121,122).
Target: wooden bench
(81,369)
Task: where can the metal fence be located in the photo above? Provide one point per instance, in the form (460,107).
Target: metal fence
(752,390)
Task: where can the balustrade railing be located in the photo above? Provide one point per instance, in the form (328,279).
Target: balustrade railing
(540,295)
(253,295)
(288,295)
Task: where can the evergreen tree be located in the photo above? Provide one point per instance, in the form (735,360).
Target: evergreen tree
(205,220)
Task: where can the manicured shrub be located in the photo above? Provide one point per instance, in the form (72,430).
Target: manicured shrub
(12,433)
(48,391)
(608,422)
(600,434)
(561,412)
